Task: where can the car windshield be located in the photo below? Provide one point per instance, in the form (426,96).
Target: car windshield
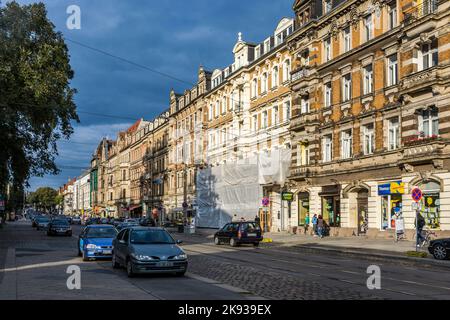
(101,233)
(151,237)
(60,223)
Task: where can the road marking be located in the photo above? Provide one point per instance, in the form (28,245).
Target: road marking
(418,283)
(44,265)
(347,271)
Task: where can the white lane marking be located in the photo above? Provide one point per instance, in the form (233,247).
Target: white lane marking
(44,265)
(417,283)
(347,271)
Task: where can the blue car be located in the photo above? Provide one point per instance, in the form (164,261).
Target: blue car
(95,242)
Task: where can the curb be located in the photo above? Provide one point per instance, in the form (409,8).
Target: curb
(423,262)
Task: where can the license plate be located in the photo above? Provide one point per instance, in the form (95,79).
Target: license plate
(107,251)
(164,264)
(252,234)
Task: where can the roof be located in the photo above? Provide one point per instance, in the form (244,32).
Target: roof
(134,127)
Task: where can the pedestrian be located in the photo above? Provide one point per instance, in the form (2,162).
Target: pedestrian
(320,224)
(420,226)
(257,220)
(306,222)
(314,222)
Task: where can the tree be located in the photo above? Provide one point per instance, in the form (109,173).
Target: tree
(45,198)
(36,100)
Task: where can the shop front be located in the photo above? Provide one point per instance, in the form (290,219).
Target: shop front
(391,203)
(331,205)
(303,207)
(430,206)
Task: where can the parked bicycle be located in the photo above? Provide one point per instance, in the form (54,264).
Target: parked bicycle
(428,235)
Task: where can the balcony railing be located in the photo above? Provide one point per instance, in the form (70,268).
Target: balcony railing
(301,73)
(427,7)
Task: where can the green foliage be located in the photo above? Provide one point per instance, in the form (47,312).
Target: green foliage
(45,198)
(36,100)
(417,254)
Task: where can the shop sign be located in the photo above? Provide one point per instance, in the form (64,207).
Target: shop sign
(391,188)
(287,196)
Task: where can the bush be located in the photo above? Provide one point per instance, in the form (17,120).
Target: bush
(417,254)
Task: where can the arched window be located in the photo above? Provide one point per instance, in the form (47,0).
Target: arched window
(264,83)
(254,88)
(275,77)
(287,70)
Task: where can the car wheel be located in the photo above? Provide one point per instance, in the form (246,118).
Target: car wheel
(85,258)
(130,272)
(115,265)
(233,242)
(439,252)
(256,244)
(217,241)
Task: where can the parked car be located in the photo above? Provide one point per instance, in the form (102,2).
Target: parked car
(42,222)
(76,220)
(95,242)
(147,222)
(104,221)
(125,225)
(148,250)
(117,221)
(236,233)
(92,221)
(59,227)
(440,248)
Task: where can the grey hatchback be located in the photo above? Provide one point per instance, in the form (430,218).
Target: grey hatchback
(148,250)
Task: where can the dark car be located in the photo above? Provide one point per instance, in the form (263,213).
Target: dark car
(440,248)
(125,225)
(91,221)
(147,222)
(236,233)
(95,242)
(42,222)
(148,250)
(59,227)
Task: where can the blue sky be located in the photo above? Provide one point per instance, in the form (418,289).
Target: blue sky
(174,37)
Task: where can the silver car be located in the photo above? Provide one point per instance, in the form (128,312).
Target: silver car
(148,250)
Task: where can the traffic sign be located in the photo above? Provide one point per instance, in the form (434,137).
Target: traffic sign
(265,202)
(416,194)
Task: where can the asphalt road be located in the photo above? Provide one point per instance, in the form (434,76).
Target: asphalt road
(33,266)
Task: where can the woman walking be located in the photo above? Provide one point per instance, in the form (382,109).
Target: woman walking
(306,222)
(314,222)
(320,224)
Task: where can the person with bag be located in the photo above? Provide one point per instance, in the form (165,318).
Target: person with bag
(314,222)
(320,225)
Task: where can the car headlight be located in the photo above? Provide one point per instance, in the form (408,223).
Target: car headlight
(181,257)
(91,246)
(141,257)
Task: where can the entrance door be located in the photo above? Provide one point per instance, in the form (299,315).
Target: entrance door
(363,215)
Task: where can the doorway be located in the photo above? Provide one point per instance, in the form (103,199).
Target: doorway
(362,201)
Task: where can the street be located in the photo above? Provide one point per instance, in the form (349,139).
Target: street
(33,266)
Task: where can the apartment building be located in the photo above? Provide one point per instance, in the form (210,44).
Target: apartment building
(375,75)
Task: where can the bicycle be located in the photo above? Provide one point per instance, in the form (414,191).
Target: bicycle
(427,234)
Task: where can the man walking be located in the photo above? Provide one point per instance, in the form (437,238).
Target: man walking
(320,224)
(314,222)
(420,224)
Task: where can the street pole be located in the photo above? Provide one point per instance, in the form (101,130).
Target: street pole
(417,227)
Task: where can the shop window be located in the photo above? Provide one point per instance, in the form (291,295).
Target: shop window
(331,211)
(391,203)
(303,208)
(431,204)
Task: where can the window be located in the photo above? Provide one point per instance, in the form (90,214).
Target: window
(255,123)
(347,40)
(303,154)
(264,83)
(217,110)
(346,144)
(392,70)
(275,77)
(265,120)
(305,105)
(254,88)
(210,114)
(429,123)
(368,139)
(327,49)
(276,115)
(368,27)
(428,56)
(327,146)
(346,88)
(287,109)
(327,95)
(287,70)
(394,133)
(224,105)
(327,5)
(392,12)
(368,79)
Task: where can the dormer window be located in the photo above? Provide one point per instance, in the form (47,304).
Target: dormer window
(327,5)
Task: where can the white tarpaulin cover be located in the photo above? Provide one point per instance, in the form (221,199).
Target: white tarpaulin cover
(236,188)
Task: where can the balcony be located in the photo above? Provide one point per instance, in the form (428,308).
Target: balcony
(304,119)
(302,172)
(420,80)
(422,150)
(300,73)
(416,13)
